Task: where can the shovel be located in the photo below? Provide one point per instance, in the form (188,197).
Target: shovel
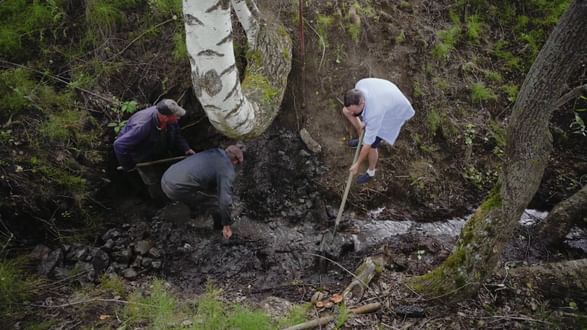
(328,237)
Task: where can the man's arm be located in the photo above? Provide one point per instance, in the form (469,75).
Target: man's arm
(181,143)
(124,144)
(355,121)
(363,154)
(224,185)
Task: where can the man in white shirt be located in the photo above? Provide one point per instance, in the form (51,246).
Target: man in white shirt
(384,109)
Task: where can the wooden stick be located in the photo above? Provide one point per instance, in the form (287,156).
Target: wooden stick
(154,162)
(369,308)
(348,186)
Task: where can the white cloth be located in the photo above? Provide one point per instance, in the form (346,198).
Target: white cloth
(386,109)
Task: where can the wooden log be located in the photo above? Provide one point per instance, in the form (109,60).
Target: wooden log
(370,267)
(369,308)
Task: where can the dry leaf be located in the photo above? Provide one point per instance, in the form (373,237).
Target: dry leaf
(336,298)
(328,304)
(104,317)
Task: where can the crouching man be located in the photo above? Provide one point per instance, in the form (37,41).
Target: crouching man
(205,179)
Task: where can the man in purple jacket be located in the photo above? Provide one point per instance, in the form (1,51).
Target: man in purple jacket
(150,134)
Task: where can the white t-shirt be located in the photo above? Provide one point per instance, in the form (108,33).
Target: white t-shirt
(386,109)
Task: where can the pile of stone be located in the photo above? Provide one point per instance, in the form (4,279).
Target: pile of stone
(125,251)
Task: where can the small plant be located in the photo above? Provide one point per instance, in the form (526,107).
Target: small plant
(166,7)
(324,22)
(157,309)
(343,315)
(493,75)
(113,284)
(434,121)
(296,315)
(481,93)
(400,38)
(447,41)
(126,108)
(474,28)
(578,125)
(470,132)
(473,175)
(511,91)
(15,286)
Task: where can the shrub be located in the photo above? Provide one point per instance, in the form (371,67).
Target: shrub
(481,93)
(447,41)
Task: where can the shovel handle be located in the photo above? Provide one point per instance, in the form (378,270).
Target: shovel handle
(154,162)
(349,181)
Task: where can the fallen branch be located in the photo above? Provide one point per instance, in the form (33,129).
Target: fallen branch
(574,93)
(369,308)
(365,273)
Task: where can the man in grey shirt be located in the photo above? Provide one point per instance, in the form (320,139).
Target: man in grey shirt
(205,178)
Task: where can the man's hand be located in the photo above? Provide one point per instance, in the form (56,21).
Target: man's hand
(354,169)
(190,152)
(227,232)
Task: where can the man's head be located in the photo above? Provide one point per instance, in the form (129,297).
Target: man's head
(169,107)
(354,101)
(235,154)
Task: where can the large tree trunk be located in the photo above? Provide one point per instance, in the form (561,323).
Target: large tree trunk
(563,216)
(528,147)
(236,110)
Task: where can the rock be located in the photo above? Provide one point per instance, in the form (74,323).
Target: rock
(48,263)
(129,274)
(108,245)
(276,307)
(156,264)
(86,268)
(39,252)
(78,253)
(142,247)
(310,143)
(146,262)
(100,260)
(409,311)
(186,323)
(122,256)
(111,234)
(154,252)
(304,153)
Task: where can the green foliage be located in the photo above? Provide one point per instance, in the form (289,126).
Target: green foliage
(447,40)
(481,93)
(24,24)
(19,91)
(578,125)
(324,22)
(166,8)
(157,309)
(470,132)
(474,28)
(400,38)
(511,91)
(113,284)
(343,315)
(298,314)
(15,286)
(68,125)
(105,16)
(511,61)
(125,108)
(493,75)
(180,50)
(434,121)
(246,319)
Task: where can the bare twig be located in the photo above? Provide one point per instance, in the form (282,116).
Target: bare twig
(322,42)
(340,266)
(88,301)
(141,35)
(369,308)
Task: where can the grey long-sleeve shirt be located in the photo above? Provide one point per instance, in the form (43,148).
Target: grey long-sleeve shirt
(210,172)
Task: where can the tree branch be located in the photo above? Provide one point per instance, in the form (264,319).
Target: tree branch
(574,93)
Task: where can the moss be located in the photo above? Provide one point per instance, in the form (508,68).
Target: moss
(256,81)
(454,268)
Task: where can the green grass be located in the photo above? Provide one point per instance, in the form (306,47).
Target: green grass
(474,28)
(157,309)
(15,285)
(447,40)
(166,8)
(481,93)
(433,121)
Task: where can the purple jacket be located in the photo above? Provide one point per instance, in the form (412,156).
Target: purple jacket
(141,139)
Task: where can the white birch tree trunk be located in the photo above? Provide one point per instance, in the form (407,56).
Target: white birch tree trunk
(237,111)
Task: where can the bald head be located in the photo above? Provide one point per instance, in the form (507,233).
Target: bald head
(235,154)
